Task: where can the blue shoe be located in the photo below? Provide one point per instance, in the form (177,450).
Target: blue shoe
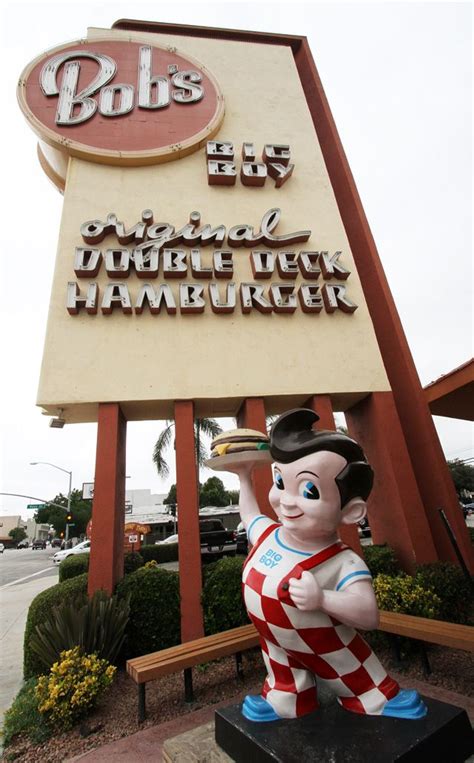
(407,704)
(256,708)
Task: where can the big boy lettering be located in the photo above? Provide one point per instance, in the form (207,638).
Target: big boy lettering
(271,558)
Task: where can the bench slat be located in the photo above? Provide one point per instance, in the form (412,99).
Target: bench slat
(181,662)
(206,643)
(433,631)
(191,653)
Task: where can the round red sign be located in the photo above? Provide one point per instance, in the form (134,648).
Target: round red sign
(120,102)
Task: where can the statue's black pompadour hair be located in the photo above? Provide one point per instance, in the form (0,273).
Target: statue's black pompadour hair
(292,436)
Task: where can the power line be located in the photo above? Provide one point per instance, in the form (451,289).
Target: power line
(460,450)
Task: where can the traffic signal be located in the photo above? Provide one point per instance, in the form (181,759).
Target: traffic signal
(68,517)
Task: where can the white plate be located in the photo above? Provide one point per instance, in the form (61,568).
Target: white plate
(229,461)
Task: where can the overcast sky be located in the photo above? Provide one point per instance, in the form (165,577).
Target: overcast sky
(398,77)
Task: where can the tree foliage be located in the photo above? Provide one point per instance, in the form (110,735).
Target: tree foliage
(17,534)
(81,510)
(171,499)
(462,475)
(211,493)
(207,427)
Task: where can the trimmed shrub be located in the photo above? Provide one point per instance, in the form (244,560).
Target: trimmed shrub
(222,595)
(165,552)
(24,718)
(77,564)
(154,621)
(39,610)
(97,626)
(451,586)
(403,594)
(132,561)
(381,560)
(73,565)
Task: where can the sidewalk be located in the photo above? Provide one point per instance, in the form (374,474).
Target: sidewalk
(147,745)
(15,601)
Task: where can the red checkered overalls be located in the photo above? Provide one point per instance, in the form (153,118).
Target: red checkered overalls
(299,645)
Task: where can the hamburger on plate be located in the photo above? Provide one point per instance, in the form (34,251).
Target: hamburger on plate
(240,441)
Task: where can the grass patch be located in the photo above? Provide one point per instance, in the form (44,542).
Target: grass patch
(23,717)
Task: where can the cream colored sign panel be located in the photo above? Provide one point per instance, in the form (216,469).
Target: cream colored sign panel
(121,350)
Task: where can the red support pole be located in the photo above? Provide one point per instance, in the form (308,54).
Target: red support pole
(322,405)
(187,491)
(252,416)
(396,512)
(108,506)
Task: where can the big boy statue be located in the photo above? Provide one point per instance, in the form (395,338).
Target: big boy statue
(305,591)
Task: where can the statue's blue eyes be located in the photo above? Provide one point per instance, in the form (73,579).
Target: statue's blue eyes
(279,481)
(310,491)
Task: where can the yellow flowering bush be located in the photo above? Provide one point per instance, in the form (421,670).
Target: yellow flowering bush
(404,594)
(72,687)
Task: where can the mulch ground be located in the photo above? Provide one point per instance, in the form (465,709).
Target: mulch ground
(117,715)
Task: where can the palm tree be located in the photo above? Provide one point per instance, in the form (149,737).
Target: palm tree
(208,427)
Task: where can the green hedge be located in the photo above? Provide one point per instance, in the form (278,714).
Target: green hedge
(165,552)
(132,561)
(72,566)
(39,609)
(404,594)
(381,560)
(154,621)
(222,595)
(450,584)
(79,563)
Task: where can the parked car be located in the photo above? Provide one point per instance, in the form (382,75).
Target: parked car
(81,548)
(38,544)
(364,528)
(242,540)
(23,543)
(2,548)
(171,539)
(214,538)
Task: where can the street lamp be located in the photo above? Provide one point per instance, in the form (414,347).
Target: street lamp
(47,463)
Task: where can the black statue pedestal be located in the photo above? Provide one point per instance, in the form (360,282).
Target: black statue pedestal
(336,735)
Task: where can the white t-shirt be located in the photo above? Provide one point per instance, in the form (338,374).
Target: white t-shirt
(276,559)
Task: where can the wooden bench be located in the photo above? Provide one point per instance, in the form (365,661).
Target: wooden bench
(237,640)
(188,655)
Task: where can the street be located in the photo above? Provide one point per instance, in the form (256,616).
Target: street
(18,564)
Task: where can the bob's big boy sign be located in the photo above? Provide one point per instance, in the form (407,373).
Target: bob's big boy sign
(206,245)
